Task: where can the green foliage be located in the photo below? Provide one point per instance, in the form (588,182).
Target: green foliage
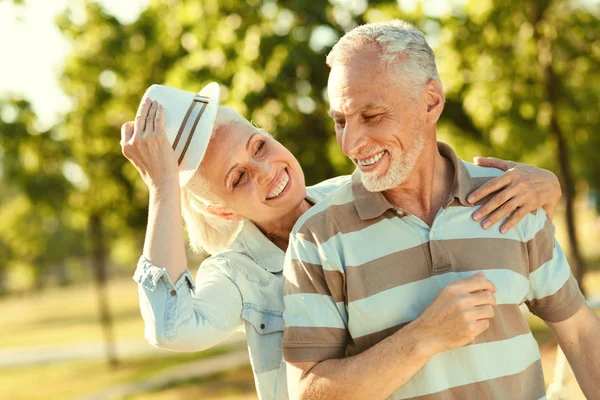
(34,224)
(269,57)
(494,56)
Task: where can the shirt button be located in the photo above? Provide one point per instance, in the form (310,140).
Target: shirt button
(262,326)
(173,292)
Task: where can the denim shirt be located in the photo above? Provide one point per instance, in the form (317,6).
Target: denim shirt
(240,288)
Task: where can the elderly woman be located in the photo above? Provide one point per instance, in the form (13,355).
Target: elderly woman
(240,193)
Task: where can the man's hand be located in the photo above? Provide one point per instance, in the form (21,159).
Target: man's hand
(521,189)
(460,312)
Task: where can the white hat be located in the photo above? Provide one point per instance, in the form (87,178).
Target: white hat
(189,121)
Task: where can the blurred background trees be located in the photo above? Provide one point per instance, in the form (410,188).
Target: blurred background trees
(521,79)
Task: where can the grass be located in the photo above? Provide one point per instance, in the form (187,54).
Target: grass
(237,384)
(69,379)
(69,315)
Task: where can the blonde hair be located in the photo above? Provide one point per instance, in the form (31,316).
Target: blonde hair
(208,232)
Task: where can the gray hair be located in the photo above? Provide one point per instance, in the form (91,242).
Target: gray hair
(208,232)
(403,48)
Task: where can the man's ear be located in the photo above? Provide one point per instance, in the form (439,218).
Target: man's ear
(434,99)
(224,212)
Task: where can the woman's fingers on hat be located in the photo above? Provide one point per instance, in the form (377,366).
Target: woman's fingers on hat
(159,121)
(150,126)
(140,117)
(126,132)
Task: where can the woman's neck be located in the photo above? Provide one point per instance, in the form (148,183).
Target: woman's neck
(279,231)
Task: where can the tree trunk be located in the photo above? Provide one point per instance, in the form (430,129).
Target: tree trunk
(551,84)
(577,263)
(98,254)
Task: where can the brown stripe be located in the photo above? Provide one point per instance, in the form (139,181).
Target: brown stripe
(561,305)
(313,344)
(527,384)
(183,123)
(387,272)
(299,354)
(507,323)
(417,263)
(189,139)
(303,277)
(298,336)
(541,247)
(339,218)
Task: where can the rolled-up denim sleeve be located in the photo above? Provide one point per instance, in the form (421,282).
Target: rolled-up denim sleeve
(188,315)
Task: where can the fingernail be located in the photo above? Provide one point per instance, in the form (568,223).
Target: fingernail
(503,230)
(147,100)
(471,198)
(476,216)
(486,224)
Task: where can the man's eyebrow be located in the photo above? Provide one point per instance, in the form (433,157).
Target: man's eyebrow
(366,107)
(236,164)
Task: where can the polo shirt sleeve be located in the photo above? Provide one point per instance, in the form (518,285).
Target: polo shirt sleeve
(554,294)
(315,312)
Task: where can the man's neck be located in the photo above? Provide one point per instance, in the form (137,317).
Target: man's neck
(428,186)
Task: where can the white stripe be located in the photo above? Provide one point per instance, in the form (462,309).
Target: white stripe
(406,302)
(305,251)
(550,277)
(385,237)
(481,172)
(313,310)
(472,364)
(456,223)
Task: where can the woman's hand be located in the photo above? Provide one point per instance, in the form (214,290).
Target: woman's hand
(144,142)
(520,190)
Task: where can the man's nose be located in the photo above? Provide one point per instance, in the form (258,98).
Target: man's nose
(352,139)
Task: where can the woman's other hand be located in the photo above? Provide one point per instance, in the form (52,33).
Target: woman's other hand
(145,144)
(520,190)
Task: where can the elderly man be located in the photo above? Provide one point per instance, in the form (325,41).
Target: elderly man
(392,289)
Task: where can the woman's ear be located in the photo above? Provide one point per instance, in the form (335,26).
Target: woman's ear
(224,212)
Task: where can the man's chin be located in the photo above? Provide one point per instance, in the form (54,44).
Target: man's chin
(374,183)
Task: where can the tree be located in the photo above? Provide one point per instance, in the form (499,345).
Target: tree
(522,72)
(35,231)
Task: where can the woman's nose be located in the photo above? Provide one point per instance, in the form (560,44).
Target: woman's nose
(265,172)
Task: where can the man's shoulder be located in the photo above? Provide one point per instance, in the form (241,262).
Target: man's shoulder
(323,189)
(325,208)
(481,173)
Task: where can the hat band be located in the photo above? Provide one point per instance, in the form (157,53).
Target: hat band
(185,129)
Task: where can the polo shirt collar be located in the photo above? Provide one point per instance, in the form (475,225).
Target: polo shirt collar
(462,184)
(371,205)
(257,246)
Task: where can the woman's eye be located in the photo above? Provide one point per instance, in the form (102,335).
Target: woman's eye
(370,117)
(340,123)
(260,148)
(239,180)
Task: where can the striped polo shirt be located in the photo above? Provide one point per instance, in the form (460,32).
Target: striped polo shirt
(358,269)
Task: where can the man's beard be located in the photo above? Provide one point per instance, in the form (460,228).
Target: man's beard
(401,165)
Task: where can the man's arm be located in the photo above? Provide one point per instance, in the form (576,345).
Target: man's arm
(578,337)
(555,297)
(459,313)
